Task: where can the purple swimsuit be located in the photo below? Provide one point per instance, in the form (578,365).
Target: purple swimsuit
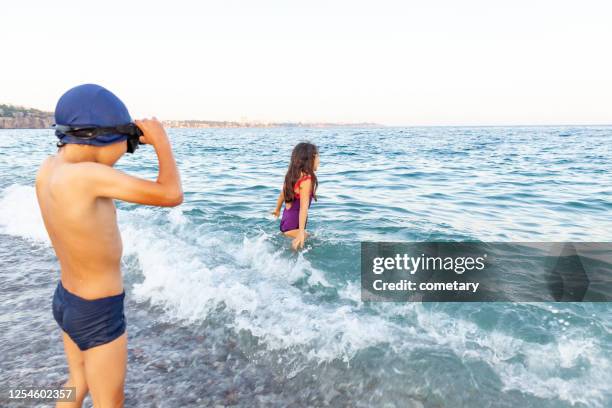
(291,217)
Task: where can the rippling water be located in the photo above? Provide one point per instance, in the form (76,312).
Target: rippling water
(221,311)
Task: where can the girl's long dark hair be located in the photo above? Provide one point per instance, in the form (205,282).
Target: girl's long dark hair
(302,161)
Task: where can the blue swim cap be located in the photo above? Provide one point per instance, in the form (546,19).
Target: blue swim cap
(91,105)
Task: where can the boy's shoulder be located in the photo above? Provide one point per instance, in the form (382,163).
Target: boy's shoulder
(58,174)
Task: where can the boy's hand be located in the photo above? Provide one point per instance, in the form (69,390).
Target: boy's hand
(153,131)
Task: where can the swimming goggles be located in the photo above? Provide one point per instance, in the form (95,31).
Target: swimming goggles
(132,131)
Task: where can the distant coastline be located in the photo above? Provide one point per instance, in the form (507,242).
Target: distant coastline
(18,117)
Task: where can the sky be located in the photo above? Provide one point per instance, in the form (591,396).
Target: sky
(434,62)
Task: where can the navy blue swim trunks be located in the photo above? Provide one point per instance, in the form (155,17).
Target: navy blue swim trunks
(89,323)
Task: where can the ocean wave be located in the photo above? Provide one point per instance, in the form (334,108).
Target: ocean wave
(253,283)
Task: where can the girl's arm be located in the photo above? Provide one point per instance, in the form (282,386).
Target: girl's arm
(305,191)
(279,202)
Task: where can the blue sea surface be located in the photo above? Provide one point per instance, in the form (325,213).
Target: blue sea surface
(220,310)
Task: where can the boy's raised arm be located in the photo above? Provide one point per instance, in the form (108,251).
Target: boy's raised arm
(105,181)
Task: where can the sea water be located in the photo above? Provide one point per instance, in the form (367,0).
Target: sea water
(220,310)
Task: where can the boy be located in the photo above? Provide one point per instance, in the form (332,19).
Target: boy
(75,190)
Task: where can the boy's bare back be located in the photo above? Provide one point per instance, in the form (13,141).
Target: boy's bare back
(82,228)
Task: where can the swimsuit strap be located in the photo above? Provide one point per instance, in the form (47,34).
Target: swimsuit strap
(297,184)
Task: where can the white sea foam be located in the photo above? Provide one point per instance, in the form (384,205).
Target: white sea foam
(256,287)
(20,214)
(527,366)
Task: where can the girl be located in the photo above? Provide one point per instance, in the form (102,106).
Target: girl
(298,192)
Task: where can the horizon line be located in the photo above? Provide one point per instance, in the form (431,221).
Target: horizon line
(279,123)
